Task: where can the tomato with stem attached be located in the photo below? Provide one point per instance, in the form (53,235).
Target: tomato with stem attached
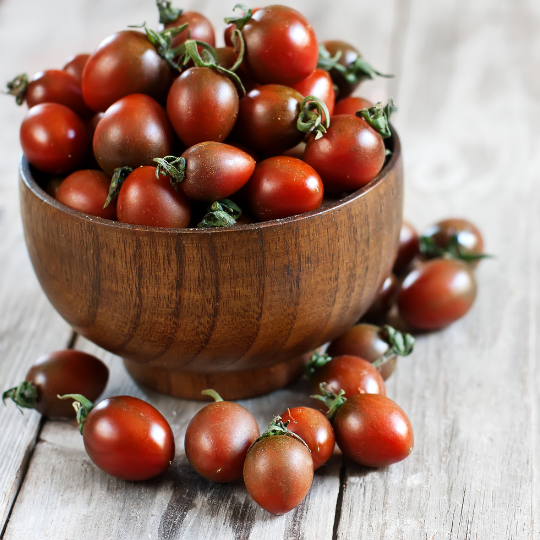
(351,105)
(320,85)
(198,26)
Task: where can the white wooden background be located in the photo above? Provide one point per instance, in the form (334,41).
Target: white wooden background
(468,87)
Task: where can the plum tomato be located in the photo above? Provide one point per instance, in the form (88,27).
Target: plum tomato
(124,63)
(348,156)
(283,186)
(409,247)
(53,138)
(278,470)
(320,85)
(281,46)
(384,300)
(202,106)
(315,430)
(267,118)
(132,132)
(57,373)
(75,65)
(199,28)
(125,436)
(436,293)
(86,191)
(147,199)
(218,438)
(351,105)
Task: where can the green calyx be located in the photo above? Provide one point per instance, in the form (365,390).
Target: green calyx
(400,344)
(316,361)
(454,250)
(172,166)
(314,117)
(222,213)
(277,427)
(241,21)
(378,117)
(17,88)
(25,395)
(167,13)
(213,394)
(326,60)
(331,400)
(120,174)
(82,407)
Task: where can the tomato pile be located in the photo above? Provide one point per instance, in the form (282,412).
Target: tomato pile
(161,128)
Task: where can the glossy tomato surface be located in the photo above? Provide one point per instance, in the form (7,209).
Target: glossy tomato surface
(383,301)
(373,431)
(349,55)
(409,247)
(320,85)
(131,133)
(281,46)
(218,438)
(75,65)
(199,28)
(53,138)
(351,105)
(315,429)
(278,473)
(128,438)
(124,63)
(348,156)
(145,199)
(283,186)
(202,106)
(437,293)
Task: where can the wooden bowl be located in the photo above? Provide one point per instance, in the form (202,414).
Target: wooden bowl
(236,309)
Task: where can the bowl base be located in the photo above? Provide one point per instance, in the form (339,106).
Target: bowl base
(228,384)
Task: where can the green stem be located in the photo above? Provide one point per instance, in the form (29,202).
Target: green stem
(24,396)
(82,407)
(331,400)
(400,344)
(326,61)
(167,13)
(277,427)
(172,166)
(239,49)
(378,117)
(212,394)
(316,361)
(222,213)
(118,178)
(454,250)
(17,88)
(241,21)
(314,116)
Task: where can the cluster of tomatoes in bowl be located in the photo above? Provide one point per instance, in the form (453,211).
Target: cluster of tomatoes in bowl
(161,128)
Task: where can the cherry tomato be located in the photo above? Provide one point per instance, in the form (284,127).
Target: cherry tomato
(373,431)
(316,431)
(228,33)
(408,249)
(124,63)
(383,301)
(52,185)
(349,56)
(200,28)
(218,438)
(267,118)
(283,186)
(227,56)
(75,65)
(278,471)
(320,85)
(351,105)
(58,373)
(436,294)
(86,191)
(281,46)
(296,152)
(53,138)
(348,156)
(202,106)
(215,171)
(131,133)
(145,199)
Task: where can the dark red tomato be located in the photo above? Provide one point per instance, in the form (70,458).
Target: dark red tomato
(373,431)
(281,46)
(227,56)
(92,124)
(53,138)
(230,30)
(202,106)
(316,431)
(147,200)
(350,373)
(267,118)
(436,294)
(86,191)
(75,65)
(296,152)
(215,171)
(131,133)
(283,186)
(58,373)
(408,249)
(218,438)
(244,148)
(200,28)
(124,63)
(128,438)
(383,301)
(348,156)
(278,473)
(349,55)
(351,105)
(52,185)
(320,85)
(366,341)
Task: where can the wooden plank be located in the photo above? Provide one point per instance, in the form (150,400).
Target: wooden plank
(470,391)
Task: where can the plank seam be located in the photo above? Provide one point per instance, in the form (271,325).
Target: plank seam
(339,502)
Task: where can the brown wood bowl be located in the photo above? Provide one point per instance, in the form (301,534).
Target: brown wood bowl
(236,309)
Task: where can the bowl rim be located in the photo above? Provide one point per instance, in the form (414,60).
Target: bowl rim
(30,182)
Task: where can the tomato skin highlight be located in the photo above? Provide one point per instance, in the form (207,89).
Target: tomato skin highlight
(132,132)
(351,105)
(218,438)
(86,191)
(348,156)
(200,28)
(75,65)
(320,85)
(128,438)
(408,249)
